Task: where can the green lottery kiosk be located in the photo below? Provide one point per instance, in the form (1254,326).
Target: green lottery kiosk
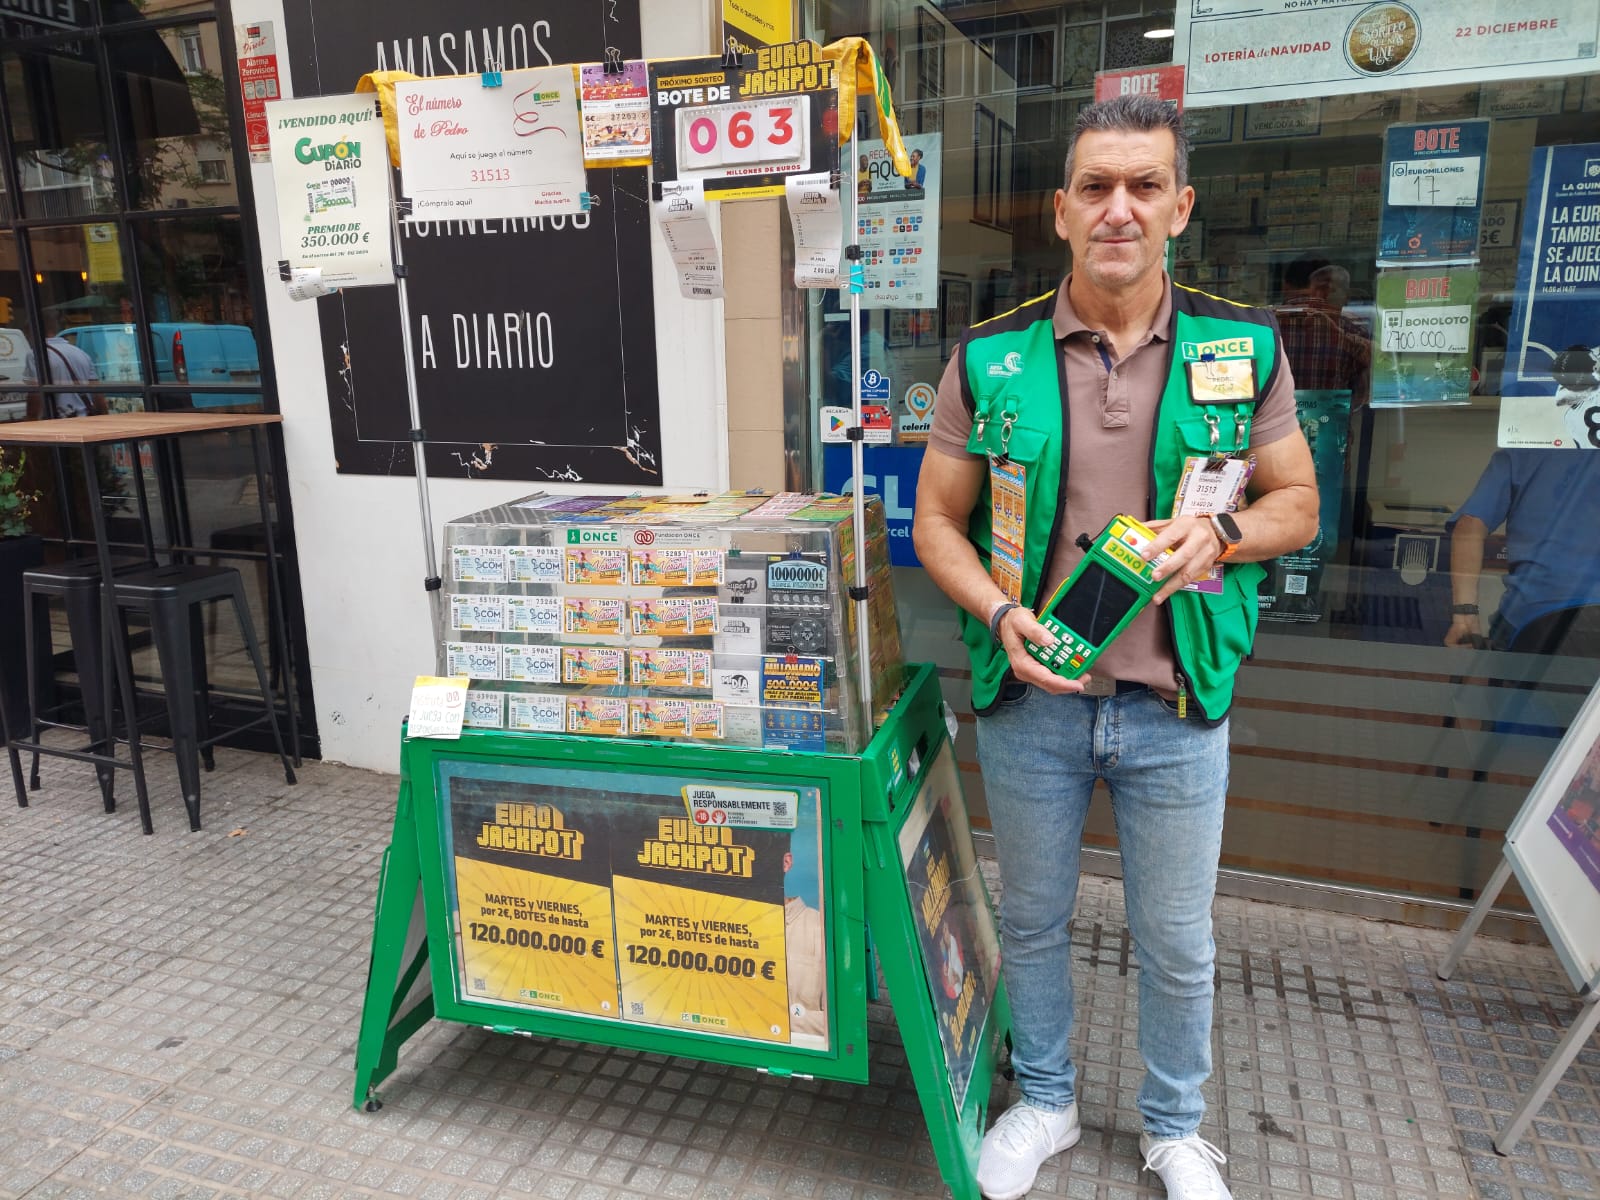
(675,820)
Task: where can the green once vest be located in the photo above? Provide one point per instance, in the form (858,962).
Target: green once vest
(1012,368)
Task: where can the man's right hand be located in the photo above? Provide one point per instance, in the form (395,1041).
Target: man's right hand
(1019,626)
(1465,630)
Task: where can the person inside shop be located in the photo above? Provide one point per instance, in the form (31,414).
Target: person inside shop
(1152,720)
(1327,350)
(1549,503)
(68,364)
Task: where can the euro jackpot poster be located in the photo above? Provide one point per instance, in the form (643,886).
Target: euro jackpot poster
(531,882)
(721,928)
(955,926)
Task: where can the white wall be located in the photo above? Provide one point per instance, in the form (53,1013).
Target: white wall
(360,536)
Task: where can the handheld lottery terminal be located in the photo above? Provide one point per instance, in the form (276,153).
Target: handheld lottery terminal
(1109,587)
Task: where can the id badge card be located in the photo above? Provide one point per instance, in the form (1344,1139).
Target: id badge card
(1008,521)
(1222,380)
(1211,485)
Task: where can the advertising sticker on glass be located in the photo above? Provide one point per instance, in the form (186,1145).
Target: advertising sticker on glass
(1550,385)
(1283,49)
(898,224)
(1423,351)
(1433,195)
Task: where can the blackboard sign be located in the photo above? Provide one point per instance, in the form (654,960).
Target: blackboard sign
(534,339)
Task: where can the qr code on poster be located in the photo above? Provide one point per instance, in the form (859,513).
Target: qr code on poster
(1295,585)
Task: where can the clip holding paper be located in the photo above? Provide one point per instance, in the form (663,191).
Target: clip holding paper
(613,64)
(589,201)
(731,57)
(858,278)
(490,79)
(284,272)
(835,180)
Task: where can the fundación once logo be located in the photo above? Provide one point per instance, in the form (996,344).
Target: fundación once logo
(1006,367)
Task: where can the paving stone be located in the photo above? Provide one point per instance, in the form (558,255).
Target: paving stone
(178,1013)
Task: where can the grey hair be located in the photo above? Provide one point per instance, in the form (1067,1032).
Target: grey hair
(1132,114)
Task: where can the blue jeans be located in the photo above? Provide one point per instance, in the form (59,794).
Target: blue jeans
(1041,755)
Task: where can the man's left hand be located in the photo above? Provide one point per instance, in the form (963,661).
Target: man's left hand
(1194,545)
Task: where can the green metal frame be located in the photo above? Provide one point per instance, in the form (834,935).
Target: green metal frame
(865,800)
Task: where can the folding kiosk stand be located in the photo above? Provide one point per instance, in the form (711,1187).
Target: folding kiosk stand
(1553,848)
(593,940)
(874,812)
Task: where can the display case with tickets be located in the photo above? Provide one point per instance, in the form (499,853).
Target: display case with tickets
(713,618)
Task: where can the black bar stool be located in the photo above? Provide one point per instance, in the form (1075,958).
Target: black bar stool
(77,585)
(170,597)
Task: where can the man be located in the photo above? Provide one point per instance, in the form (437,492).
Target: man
(1549,502)
(1115,335)
(68,364)
(1326,349)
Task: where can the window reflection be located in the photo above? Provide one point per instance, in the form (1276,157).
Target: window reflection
(15,335)
(174,113)
(57,111)
(197,297)
(80,278)
(41,18)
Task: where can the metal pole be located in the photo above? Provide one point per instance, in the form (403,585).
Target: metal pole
(857,466)
(418,434)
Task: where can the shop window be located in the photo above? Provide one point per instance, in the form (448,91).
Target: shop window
(197,299)
(173,114)
(1358,728)
(56,107)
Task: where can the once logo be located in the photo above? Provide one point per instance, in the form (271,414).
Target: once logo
(644,537)
(583,537)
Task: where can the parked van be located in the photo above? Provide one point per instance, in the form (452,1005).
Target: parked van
(185,352)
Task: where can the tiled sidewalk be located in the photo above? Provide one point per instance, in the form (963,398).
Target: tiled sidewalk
(178,1016)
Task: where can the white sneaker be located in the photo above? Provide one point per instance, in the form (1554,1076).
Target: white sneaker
(1188,1166)
(1017,1145)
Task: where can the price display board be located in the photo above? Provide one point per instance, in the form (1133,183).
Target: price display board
(1424,337)
(741,130)
(1434,194)
(771,133)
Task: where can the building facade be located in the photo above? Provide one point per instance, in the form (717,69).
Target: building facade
(1382,741)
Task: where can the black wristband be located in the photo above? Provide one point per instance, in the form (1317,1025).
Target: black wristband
(1464,610)
(998,615)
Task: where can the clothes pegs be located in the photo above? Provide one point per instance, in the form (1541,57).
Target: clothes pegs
(613,64)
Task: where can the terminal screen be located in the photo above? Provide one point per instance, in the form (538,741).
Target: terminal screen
(1095,604)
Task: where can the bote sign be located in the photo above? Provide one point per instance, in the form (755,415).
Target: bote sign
(1163,83)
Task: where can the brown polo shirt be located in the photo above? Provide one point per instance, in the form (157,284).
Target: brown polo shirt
(1112,412)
